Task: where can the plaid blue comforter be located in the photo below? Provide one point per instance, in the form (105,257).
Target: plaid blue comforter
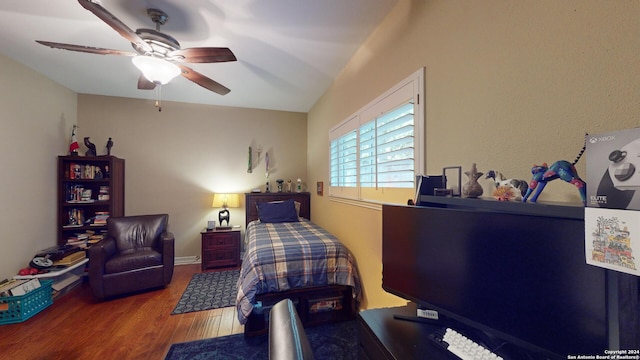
(284,256)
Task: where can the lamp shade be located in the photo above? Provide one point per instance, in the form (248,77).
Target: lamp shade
(226,201)
(156,70)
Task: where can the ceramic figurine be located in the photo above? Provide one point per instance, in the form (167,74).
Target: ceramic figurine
(472,189)
(561,169)
(519,186)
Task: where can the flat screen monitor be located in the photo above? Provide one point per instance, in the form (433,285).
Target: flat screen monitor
(520,278)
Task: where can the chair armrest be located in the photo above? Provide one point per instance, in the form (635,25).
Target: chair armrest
(99,253)
(287,339)
(167,244)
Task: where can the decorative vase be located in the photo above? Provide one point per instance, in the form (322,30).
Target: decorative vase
(472,189)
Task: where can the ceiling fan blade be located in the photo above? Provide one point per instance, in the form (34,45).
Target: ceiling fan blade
(144,84)
(203,81)
(116,24)
(85,49)
(203,55)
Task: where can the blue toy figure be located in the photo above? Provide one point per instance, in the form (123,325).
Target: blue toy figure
(561,169)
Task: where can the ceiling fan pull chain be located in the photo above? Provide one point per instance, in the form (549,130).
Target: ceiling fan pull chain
(158,96)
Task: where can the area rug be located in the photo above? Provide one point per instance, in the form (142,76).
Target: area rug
(334,341)
(209,290)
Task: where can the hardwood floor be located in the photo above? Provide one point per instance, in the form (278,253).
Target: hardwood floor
(141,326)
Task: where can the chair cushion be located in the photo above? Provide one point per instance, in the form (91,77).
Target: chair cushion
(133,260)
(136,232)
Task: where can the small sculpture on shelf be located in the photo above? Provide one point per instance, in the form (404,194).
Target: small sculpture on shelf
(472,189)
(289,185)
(519,186)
(90,146)
(280,182)
(73,145)
(109,146)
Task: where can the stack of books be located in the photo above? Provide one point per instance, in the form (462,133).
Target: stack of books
(86,239)
(100,219)
(71,259)
(104,193)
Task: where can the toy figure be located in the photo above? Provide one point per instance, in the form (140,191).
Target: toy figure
(109,146)
(519,186)
(561,169)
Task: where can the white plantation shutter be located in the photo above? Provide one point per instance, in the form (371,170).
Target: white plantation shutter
(387,150)
(376,153)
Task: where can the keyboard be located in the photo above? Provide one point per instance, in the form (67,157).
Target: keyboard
(461,346)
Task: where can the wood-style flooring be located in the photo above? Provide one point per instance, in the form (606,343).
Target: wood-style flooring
(141,326)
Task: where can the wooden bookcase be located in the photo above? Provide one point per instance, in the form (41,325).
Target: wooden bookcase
(88,186)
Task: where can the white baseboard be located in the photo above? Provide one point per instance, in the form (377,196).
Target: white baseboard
(186,260)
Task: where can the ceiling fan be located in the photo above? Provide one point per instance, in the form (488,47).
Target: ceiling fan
(157,55)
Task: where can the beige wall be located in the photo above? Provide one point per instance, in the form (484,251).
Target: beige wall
(36,120)
(176,159)
(508,84)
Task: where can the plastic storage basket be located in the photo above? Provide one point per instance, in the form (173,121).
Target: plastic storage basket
(25,306)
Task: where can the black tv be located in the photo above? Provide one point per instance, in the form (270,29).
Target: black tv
(517,281)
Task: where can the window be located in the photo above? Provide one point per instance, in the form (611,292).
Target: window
(376,153)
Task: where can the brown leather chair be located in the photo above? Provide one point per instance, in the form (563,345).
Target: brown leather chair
(136,254)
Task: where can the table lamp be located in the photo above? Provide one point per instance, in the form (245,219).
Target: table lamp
(225,201)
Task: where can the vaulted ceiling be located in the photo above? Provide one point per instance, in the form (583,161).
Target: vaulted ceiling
(288,51)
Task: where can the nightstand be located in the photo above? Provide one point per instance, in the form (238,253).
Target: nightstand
(221,248)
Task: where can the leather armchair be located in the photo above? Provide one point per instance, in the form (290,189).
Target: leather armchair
(287,339)
(136,254)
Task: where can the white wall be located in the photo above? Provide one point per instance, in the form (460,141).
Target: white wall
(37,116)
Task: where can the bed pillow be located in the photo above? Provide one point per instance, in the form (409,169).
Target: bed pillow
(277,212)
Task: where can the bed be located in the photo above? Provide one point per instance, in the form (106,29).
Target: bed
(288,256)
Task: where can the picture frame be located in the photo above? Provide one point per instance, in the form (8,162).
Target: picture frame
(320,188)
(452,176)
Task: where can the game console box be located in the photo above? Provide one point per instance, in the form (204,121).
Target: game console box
(613,169)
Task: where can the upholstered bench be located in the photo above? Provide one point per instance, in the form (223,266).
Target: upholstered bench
(287,339)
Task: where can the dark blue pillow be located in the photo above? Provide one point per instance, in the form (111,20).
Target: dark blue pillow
(277,212)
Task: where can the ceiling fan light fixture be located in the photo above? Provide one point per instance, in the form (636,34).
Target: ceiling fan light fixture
(156,70)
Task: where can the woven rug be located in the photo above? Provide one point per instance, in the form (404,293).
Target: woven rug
(209,290)
(334,341)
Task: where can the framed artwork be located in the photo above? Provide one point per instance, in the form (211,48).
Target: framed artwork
(452,176)
(320,188)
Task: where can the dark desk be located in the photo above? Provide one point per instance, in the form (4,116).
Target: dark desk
(381,336)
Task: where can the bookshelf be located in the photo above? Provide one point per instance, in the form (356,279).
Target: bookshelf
(90,189)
